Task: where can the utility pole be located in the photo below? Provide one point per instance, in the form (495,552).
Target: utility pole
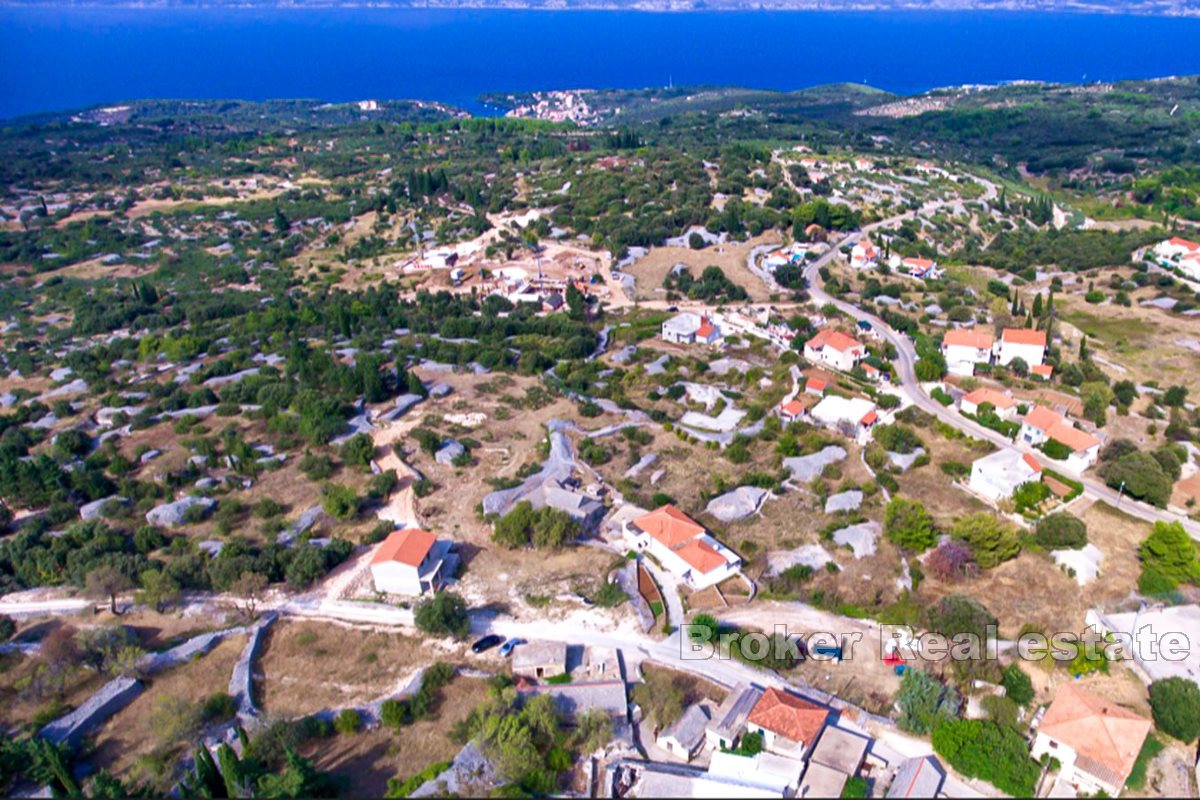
(1120,494)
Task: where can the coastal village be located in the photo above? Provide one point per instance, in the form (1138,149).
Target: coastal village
(577,486)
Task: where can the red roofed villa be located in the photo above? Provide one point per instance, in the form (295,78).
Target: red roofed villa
(1023,343)
(837,349)
(1095,740)
(682,546)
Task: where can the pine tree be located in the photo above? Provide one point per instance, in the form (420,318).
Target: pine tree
(1037,305)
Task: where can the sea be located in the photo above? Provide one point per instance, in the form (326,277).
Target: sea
(61,58)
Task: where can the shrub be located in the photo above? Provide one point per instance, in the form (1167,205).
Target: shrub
(1061,530)
(338,501)
(992,540)
(1056,450)
(1176,706)
(957,614)
(1140,475)
(1017,685)
(218,707)
(907,524)
(923,700)
(405,788)
(7,628)
(983,749)
(952,561)
(444,613)
(347,722)
(1171,553)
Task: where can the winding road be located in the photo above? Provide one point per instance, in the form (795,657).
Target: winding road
(906,368)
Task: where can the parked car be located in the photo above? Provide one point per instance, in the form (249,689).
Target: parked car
(507,648)
(486,643)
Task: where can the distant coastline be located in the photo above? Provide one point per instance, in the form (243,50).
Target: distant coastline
(60,57)
(1160,8)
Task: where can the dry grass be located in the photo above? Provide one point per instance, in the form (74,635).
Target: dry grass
(305,667)
(1145,341)
(131,733)
(942,498)
(695,688)
(651,270)
(364,762)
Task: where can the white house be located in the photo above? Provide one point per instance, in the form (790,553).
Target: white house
(836,349)
(1005,406)
(1023,343)
(1172,250)
(410,562)
(998,475)
(685,737)
(920,267)
(851,415)
(1095,740)
(864,255)
(792,410)
(729,719)
(1190,265)
(963,348)
(683,547)
(789,724)
(689,328)
(1043,424)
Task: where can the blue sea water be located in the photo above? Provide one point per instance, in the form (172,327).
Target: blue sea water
(64,58)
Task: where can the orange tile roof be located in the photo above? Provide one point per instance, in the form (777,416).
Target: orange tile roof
(987,395)
(1042,370)
(919,263)
(1043,418)
(968,337)
(793,408)
(789,716)
(669,525)
(869,418)
(706,328)
(1072,437)
(1186,244)
(409,546)
(700,556)
(1096,729)
(830,337)
(1023,336)
(1032,462)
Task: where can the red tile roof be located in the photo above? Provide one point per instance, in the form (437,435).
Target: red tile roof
(1186,244)
(1043,418)
(1032,462)
(830,337)
(869,418)
(409,546)
(968,337)
(700,556)
(1023,336)
(988,395)
(793,408)
(788,716)
(1096,729)
(1042,370)
(706,328)
(669,525)
(1072,437)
